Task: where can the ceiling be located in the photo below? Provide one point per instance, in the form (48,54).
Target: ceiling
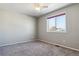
(27,8)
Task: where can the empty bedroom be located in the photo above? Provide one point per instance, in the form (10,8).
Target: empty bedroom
(39,29)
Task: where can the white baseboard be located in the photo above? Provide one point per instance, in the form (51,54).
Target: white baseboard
(16,43)
(60,45)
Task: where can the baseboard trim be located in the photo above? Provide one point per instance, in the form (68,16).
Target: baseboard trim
(16,43)
(60,45)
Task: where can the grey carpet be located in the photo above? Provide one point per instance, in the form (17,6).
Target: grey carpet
(36,48)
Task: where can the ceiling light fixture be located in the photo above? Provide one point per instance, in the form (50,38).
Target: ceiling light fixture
(39,6)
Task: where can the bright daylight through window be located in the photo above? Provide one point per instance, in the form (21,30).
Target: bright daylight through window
(56,23)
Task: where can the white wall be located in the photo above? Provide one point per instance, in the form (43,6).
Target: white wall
(69,39)
(16,28)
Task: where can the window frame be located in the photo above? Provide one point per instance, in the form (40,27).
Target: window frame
(56,22)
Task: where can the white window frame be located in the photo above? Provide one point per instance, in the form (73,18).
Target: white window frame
(56,24)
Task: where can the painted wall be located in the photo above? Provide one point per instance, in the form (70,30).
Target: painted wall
(71,37)
(16,28)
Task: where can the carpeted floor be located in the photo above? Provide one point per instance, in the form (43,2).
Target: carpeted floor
(35,48)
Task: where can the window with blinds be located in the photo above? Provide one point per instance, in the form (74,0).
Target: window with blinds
(56,23)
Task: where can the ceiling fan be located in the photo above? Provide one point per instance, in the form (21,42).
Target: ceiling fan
(39,6)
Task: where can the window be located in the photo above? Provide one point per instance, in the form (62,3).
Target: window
(57,23)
